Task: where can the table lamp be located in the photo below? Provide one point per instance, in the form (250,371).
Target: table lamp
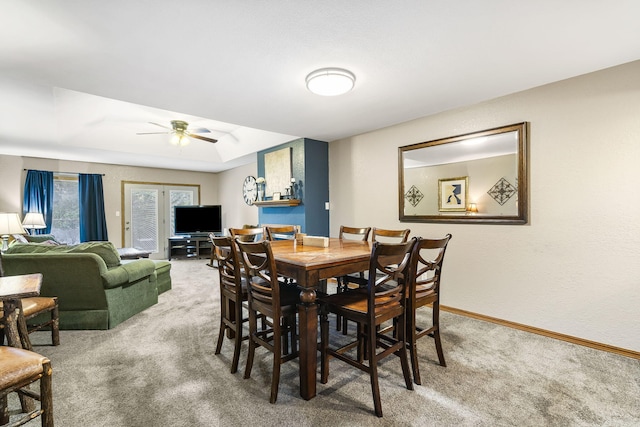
(9,224)
(33,220)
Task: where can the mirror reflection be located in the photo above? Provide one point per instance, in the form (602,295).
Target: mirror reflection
(478,177)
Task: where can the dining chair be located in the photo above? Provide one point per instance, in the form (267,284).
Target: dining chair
(385,300)
(424,288)
(275,300)
(38,313)
(279,232)
(233,292)
(355,281)
(349,233)
(20,368)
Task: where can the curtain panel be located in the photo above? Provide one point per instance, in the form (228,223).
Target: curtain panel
(38,197)
(93,223)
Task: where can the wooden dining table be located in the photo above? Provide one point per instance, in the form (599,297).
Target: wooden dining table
(310,266)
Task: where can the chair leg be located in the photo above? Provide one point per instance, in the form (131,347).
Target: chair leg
(55,325)
(402,352)
(253,327)
(46,398)
(411,344)
(277,361)
(236,349)
(436,333)
(224,304)
(373,371)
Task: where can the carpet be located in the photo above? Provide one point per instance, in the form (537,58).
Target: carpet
(159,369)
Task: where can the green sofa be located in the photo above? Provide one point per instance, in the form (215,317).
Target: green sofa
(95,289)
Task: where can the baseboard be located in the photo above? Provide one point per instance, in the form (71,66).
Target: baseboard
(550,334)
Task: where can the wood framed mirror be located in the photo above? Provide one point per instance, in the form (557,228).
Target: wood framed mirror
(479,177)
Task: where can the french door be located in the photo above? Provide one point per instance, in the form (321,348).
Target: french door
(148,214)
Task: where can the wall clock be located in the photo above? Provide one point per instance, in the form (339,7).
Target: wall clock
(250,190)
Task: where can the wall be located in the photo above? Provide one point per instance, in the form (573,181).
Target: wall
(574,269)
(12,177)
(235,212)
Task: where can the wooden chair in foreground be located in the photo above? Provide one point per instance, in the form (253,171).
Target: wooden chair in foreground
(20,368)
(384,300)
(31,308)
(424,288)
(349,233)
(232,294)
(275,300)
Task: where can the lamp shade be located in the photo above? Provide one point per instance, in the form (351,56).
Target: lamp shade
(10,224)
(34,220)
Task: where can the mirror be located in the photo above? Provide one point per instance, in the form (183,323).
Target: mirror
(479,177)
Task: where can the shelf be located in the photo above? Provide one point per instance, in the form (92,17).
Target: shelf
(281,202)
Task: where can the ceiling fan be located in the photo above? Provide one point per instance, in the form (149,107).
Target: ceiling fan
(180,133)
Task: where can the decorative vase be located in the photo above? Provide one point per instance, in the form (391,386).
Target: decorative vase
(260,195)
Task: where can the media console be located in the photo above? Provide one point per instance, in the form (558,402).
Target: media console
(189,247)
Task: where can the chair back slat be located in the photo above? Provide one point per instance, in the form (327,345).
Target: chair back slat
(278,232)
(390,236)
(228,262)
(354,233)
(426,264)
(248,234)
(388,268)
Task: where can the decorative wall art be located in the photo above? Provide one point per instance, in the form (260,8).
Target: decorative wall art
(502,191)
(453,194)
(277,170)
(413,196)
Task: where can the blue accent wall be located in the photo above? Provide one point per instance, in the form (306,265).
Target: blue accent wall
(310,167)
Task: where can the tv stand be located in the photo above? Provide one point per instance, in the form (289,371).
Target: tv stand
(191,246)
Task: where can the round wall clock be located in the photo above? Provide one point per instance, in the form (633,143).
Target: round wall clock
(249,190)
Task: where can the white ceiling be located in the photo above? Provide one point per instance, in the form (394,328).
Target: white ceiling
(238,68)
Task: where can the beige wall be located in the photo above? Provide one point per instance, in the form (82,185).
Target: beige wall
(12,177)
(235,212)
(575,268)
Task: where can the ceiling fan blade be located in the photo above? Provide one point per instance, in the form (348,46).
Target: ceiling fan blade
(162,126)
(189,134)
(199,130)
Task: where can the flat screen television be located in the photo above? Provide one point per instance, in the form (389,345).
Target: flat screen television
(197,219)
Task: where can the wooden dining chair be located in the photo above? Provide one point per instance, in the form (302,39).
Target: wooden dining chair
(382,235)
(385,300)
(349,233)
(19,369)
(275,300)
(278,232)
(233,292)
(424,288)
(39,313)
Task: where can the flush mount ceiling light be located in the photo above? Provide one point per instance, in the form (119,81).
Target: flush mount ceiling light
(330,81)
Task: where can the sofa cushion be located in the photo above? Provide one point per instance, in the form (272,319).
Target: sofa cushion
(40,238)
(104,250)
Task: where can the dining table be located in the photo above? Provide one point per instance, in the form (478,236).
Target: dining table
(310,267)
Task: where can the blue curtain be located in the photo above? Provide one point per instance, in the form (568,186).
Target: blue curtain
(38,197)
(93,223)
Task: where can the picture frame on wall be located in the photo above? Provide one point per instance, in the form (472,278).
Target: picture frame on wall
(276,196)
(453,194)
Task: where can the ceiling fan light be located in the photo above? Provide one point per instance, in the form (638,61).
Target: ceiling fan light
(179,139)
(330,81)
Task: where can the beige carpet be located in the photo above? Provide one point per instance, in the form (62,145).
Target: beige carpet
(159,369)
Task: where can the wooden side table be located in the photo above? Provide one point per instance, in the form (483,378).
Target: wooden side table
(12,289)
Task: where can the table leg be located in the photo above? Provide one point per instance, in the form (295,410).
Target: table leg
(308,313)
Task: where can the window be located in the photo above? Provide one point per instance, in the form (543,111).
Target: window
(65,225)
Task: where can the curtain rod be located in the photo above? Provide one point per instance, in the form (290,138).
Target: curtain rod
(69,173)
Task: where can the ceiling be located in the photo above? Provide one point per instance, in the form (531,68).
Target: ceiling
(80,78)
